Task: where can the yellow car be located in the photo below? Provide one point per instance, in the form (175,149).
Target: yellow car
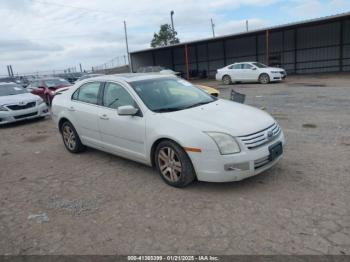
(209,90)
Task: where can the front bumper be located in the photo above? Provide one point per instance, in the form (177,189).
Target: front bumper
(11,116)
(210,166)
(278,76)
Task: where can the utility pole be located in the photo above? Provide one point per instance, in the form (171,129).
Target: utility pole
(172,24)
(127,46)
(246,25)
(212,26)
(172,20)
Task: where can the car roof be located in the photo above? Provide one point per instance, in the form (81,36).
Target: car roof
(91,75)
(248,62)
(132,77)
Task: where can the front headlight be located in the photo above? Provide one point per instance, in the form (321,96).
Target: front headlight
(40,101)
(225,142)
(2,108)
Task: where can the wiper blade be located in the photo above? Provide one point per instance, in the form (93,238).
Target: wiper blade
(167,109)
(115,100)
(197,104)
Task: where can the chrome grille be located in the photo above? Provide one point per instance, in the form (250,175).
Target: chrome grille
(262,137)
(21,107)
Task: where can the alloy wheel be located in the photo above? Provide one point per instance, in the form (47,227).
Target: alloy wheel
(227,80)
(264,79)
(69,137)
(169,164)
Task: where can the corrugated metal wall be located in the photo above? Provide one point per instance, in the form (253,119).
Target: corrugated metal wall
(322,47)
(346,45)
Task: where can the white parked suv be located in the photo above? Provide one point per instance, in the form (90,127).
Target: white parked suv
(250,72)
(166,122)
(16,104)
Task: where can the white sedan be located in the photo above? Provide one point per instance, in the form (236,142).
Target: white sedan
(166,122)
(250,72)
(17,104)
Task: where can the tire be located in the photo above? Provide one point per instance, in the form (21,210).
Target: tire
(48,101)
(264,78)
(226,79)
(173,164)
(70,138)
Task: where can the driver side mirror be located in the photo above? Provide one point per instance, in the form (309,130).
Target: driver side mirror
(127,110)
(254,68)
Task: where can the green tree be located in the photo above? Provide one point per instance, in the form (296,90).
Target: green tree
(166,36)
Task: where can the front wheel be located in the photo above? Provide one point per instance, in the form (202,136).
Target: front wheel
(173,164)
(48,100)
(264,79)
(227,80)
(71,139)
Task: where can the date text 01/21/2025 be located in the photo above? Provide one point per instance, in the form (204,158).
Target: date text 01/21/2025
(172,258)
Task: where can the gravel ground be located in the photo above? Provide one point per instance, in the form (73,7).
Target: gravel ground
(54,202)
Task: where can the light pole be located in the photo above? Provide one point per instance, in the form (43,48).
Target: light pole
(172,24)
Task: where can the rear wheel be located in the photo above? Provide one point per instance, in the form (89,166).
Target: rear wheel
(173,164)
(70,138)
(264,79)
(227,80)
(48,100)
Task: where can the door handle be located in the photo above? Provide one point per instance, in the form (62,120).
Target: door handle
(104,117)
(71,109)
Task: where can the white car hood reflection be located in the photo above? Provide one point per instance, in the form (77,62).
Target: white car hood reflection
(223,116)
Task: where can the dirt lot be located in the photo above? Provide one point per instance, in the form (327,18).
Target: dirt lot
(96,203)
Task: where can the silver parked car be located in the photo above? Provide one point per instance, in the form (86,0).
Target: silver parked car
(16,104)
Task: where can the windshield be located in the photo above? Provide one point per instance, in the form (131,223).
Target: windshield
(8,90)
(170,94)
(260,65)
(56,82)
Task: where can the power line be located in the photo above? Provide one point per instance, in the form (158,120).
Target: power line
(61,37)
(82,8)
(73,7)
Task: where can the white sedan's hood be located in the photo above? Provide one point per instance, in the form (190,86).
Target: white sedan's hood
(225,116)
(275,69)
(15,99)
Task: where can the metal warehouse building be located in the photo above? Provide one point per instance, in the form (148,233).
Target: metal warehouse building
(319,45)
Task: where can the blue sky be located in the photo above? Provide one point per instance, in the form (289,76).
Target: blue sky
(56,34)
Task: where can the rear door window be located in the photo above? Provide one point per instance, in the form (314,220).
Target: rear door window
(88,93)
(247,66)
